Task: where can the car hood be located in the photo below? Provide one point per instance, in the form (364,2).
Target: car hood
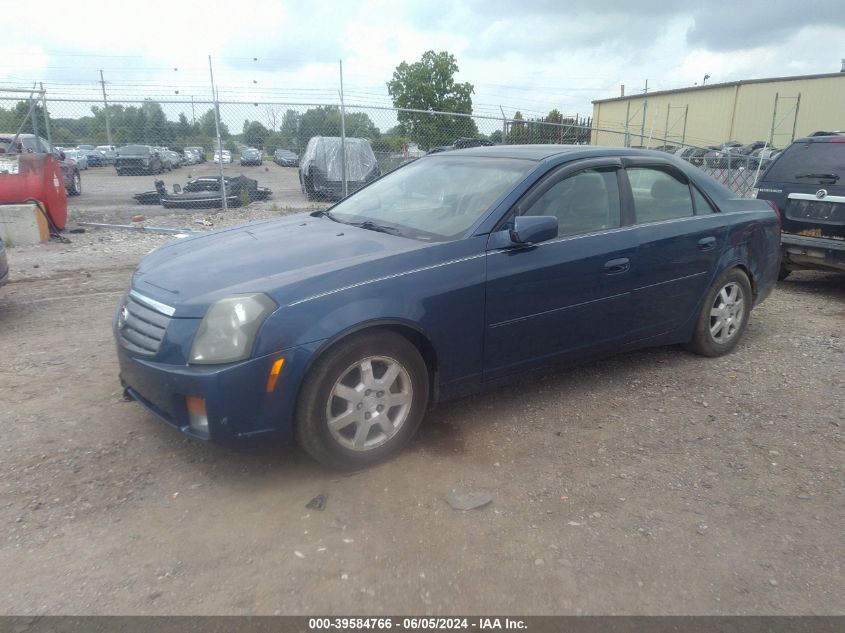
(288,258)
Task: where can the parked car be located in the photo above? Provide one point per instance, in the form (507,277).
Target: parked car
(285,158)
(199,151)
(138,159)
(31,144)
(95,158)
(226,157)
(718,157)
(78,157)
(251,156)
(342,327)
(109,153)
(190,157)
(321,168)
(175,158)
(806,183)
(762,158)
(4,265)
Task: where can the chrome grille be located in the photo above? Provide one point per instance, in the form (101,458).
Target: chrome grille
(141,329)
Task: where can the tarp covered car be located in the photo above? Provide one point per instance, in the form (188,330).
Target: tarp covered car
(204,193)
(321,167)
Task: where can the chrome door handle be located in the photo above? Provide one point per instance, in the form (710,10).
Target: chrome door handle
(616,266)
(707,243)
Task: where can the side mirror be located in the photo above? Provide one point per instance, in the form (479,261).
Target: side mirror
(532,229)
(177,189)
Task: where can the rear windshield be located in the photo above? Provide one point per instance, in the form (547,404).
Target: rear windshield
(134,150)
(805,159)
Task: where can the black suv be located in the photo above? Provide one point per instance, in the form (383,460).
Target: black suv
(807,183)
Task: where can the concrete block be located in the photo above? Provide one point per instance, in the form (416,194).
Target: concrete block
(22,224)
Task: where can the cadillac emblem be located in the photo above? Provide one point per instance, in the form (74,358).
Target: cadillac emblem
(122,318)
(821,193)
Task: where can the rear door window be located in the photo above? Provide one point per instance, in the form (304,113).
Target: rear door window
(658,195)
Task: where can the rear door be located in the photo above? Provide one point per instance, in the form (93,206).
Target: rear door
(571,295)
(680,238)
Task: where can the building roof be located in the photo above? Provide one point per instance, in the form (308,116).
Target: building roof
(724,85)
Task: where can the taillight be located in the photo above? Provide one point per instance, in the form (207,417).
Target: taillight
(777,212)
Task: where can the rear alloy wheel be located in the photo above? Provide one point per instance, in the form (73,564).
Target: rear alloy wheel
(724,315)
(362,401)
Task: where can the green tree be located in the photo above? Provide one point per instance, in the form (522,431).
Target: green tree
(255,134)
(319,121)
(496,136)
(518,133)
(206,126)
(289,131)
(429,84)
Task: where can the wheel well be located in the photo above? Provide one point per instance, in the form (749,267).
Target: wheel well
(415,337)
(748,274)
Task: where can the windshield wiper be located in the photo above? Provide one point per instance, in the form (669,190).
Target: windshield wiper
(326,214)
(372,226)
(833,177)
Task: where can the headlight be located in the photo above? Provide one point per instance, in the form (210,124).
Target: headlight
(228,330)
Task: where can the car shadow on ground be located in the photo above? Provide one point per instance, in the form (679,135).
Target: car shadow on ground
(829,284)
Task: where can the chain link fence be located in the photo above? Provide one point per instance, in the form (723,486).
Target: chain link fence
(92,133)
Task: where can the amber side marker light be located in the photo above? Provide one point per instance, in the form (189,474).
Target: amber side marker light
(273,377)
(197,416)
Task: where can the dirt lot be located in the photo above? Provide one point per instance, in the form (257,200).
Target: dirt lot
(655,482)
(107,197)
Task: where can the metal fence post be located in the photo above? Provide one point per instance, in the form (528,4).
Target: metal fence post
(46,117)
(215,96)
(343,135)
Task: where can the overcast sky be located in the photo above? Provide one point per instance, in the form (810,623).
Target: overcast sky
(527,55)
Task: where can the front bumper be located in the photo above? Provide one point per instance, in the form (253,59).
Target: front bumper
(237,402)
(801,251)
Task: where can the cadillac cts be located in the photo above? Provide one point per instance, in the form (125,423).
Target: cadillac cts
(340,328)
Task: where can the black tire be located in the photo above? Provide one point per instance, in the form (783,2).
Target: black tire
(308,188)
(704,342)
(75,185)
(316,399)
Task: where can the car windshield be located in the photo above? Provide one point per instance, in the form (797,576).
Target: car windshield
(808,162)
(435,198)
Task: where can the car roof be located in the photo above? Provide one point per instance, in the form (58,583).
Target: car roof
(828,138)
(543,152)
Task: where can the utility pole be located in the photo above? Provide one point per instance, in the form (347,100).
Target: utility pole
(193,114)
(627,122)
(105,108)
(343,134)
(219,140)
(504,125)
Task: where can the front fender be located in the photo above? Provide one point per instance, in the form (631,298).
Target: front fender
(443,300)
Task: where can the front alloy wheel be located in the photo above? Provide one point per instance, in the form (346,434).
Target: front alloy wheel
(362,400)
(369,404)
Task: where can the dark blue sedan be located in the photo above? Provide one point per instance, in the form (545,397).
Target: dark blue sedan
(342,327)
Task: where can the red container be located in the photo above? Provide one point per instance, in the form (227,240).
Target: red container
(34,176)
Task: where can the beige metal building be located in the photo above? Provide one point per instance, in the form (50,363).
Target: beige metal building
(776,110)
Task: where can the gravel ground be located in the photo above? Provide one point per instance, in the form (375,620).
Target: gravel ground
(655,482)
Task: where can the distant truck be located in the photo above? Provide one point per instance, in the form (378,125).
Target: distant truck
(321,167)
